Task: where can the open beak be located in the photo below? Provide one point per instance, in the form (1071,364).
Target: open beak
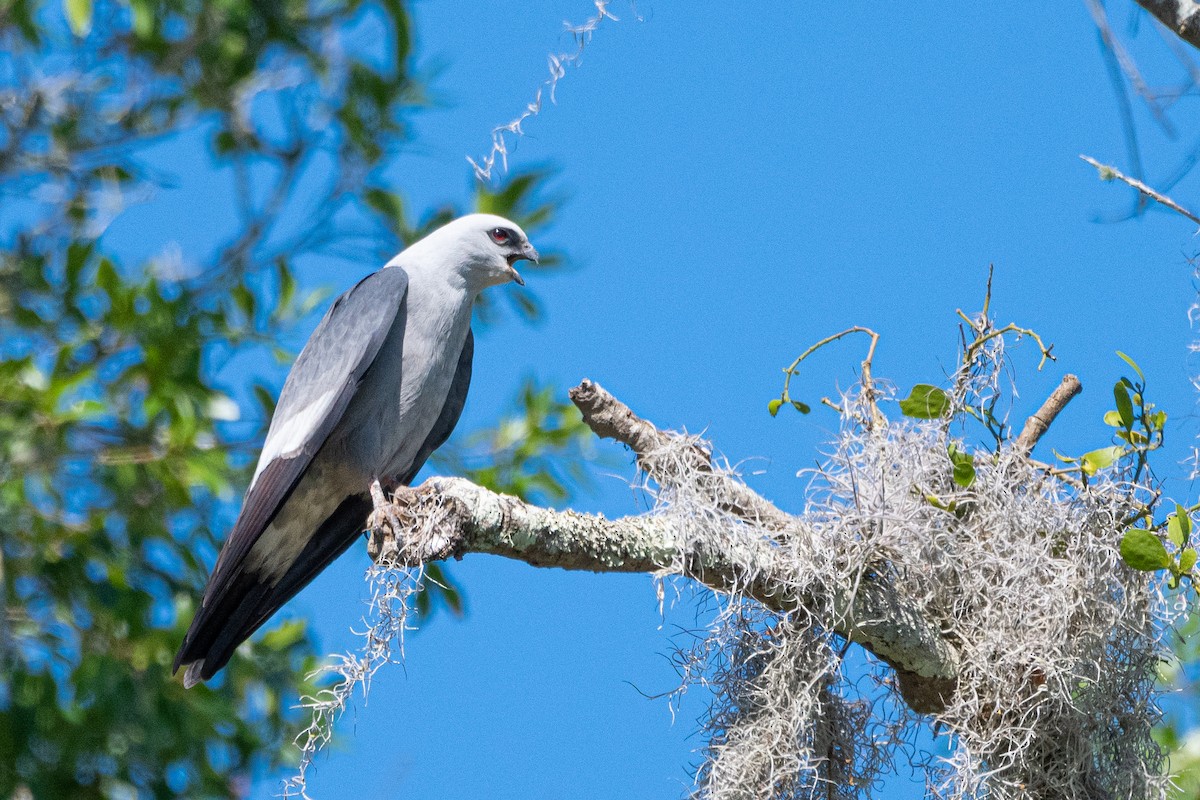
(527,254)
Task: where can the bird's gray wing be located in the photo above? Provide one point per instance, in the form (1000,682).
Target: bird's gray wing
(319,387)
(451,410)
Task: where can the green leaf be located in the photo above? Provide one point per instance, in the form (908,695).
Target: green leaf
(1112,418)
(964,467)
(1179,526)
(287,634)
(143,18)
(1142,550)
(1132,364)
(224,142)
(287,282)
(925,402)
(1100,459)
(774,406)
(389,205)
(1187,560)
(245,300)
(79,16)
(1124,404)
(78,254)
(265,399)
(108,279)
(803,408)
(85,409)
(1065,459)
(964,474)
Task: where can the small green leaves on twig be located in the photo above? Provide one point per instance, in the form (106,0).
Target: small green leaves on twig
(1139,428)
(778,402)
(1144,550)
(929,402)
(867,384)
(964,466)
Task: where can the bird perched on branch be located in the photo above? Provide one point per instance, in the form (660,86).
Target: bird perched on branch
(378,387)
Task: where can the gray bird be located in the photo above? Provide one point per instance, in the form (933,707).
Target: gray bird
(378,387)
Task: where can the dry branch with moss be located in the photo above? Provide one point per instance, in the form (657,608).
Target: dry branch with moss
(1002,606)
(990,588)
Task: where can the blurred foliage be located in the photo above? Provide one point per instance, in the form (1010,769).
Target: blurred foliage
(1179,732)
(121,460)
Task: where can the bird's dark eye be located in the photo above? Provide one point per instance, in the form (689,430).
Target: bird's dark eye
(500,235)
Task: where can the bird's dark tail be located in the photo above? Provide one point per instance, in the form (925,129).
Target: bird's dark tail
(229,618)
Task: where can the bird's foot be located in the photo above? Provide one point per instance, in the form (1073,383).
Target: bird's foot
(384,524)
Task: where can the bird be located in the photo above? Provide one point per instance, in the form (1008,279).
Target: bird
(378,387)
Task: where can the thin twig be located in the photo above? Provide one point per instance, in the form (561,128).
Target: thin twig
(984,336)
(1107,173)
(868,383)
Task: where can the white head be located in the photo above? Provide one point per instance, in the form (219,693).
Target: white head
(481,248)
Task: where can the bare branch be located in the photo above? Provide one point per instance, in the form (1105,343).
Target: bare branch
(1107,173)
(1039,422)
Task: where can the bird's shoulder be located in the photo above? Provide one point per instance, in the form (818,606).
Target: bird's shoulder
(353,328)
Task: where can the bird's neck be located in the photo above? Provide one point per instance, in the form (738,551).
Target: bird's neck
(440,300)
(432,268)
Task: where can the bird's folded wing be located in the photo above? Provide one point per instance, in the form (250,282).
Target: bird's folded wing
(319,387)
(451,410)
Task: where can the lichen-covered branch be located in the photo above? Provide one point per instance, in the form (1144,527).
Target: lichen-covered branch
(451,517)
(609,418)
(1181,16)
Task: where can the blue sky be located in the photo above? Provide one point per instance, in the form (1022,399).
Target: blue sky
(743,181)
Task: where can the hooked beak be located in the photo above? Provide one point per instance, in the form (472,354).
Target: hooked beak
(528,254)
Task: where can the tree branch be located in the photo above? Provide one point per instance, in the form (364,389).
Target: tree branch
(1041,420)
(1181,16)
(609,418)
(1108,173)
(450,517)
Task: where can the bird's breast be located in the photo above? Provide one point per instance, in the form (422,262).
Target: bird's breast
(403,392)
